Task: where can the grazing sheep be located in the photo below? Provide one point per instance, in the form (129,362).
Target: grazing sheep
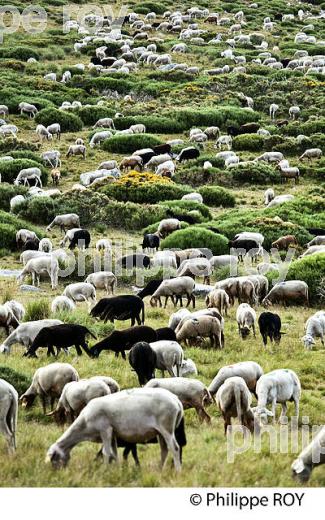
(75,396)
(310,457)
(103,280)
(55,176)
(16,201)
(77,149)
(314,328)
(68,220)
(68,237)
(280,199)
(283,243)
(313,250)
(80,292)
(105,122)
(120,340)
(285,292)
(29,174)
(25,334)
(317,241)
(54,129)
(48,382)
(191,393)
(224,140)
(169,356)
(218,298)
(246,319)
(8,413)
(248,370)
(37,266)
(188,368)
(194,267)
(176,318)
(311,153)
(52,158)
(103,244)
(273,110)
(294,112)
(62,303)
(99,137)
(17,309)
(278,386)
(268,196)
(143,360)
(270,326)
(122,307)
(8,318)
(201,326)
(234,400)
(62,337)
(27,108)
(154,411)
(175,287)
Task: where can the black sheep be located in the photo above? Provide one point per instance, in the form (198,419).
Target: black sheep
(270,327)
(166,333)
(123,307)
(60,336)
(162,148)
(143,359)
(242,244)
(138,260)
(121,340)
(150,288)
(31,245)
(81,238)
(150,241)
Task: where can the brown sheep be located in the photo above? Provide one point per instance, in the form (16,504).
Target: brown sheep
(56,176)
(283,243)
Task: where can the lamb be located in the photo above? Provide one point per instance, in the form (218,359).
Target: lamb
(196,267)
(120,340)
(311,456)
(25,334)
(105,418)
(234,400)
(77,149)
(224,140)
(290,291)
(143,360)
(283,243)
(311,153)
(37,266)
(103,280)
(278,386)
(62,337)
(75,396)
(45,245)
(294,112)
(218,298)
(314,328)
(8,413)
(273,110)
(48,382)
(268,196)
(201,326)
(68,220)
(191,393)
(62,303)
(80,292)
(174,287)
(247,370)
(246,319)
(55,176)
(169,356)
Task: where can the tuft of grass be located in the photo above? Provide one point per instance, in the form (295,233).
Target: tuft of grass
(37,310)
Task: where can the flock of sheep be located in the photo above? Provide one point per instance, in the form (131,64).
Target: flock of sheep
(96,409)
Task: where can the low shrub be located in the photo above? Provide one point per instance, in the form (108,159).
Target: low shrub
(68,122)
(256,173)
(129,143)
(90,114)
(187,210)
(154,124)
(10,145)
(145,192)
(10,169)
(17,379)
(214,196)
(7,191)
(311,270)
(9,225)
(223,116)
(39,210)
(249,142)
(196,237)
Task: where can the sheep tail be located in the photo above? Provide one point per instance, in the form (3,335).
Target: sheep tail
(238,403)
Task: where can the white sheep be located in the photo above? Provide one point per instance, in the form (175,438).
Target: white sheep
(278,386)
(25,334)
(234,400)
(45,245)
(311,153)
(16,201)
(8,413)
(62,303)
(103,280)
(37,266)
(80,292)
(201,327)
(273,110)
(182,286)
(250,371)
(219,299)
(196,197)
(169,356)
(268,196)
(246,319)
(314,328)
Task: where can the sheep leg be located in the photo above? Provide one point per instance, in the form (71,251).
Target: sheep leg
(284,410)
(86,349)
(163,450)
(123,354)
(133,449)
(274,408)
(203,415)
(166,300)
(78,349)
(107,439)
(43,401)
(9,436)
(296,407)
(188,299)
(227,422)
(254,332)
(52,401)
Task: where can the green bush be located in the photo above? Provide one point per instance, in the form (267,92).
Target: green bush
(129,143)
(18,380)
(7,191)
(152,228)
(131,216)
(10,145)
(256,173)
(9,225)
(154,124)
(196,237)
(68,122)
(311,270)
(10,169)
(215,196)
(147,192)
(39,210)
(250,142)
(222,117)
(19,53)
(187,208)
